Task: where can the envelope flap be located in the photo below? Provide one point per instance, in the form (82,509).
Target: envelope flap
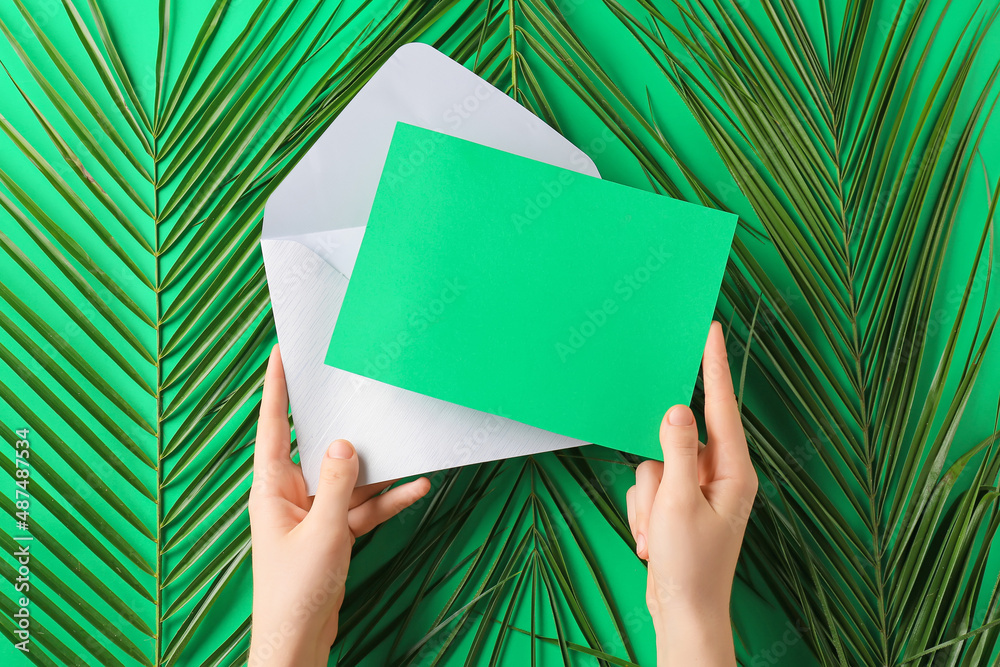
(334,184)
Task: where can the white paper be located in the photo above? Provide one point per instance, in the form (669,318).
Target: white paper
(313,227)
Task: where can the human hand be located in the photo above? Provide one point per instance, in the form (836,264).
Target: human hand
(302,545)
(688,515)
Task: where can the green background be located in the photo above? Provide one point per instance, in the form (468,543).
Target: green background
(67,495)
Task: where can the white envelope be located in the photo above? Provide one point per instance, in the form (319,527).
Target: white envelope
(312,230)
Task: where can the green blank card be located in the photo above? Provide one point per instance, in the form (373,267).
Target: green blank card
(529,291)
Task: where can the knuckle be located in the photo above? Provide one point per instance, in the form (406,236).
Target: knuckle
(749,482)
(685,446)
(649,467)
(265,477)
(726,399)
(332,474)
(401,504)
(340,534)
(334,542)
(680,432)
(258,482)
(413,496)
(254,501)
(678,501)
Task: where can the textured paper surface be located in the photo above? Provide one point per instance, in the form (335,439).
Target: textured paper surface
(515,287)
(313,227)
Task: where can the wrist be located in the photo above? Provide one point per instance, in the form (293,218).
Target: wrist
(284,647)
(694,634)
(691,614)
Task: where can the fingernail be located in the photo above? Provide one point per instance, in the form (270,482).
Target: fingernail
(340,449)
(640,544)
(680,415)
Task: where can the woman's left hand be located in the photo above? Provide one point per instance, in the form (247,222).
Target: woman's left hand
(302,545)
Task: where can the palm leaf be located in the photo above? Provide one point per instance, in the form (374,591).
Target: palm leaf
(860,216)
(130,357)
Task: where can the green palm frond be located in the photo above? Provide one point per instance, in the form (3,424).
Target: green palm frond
(856,179)
(134,363)
(473,573)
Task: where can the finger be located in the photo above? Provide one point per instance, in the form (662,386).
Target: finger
(273,437)
(273,442)
(679,438)
(630,508)
(383,507)
(337,476)
(363,493)
(726,439)
(647,481)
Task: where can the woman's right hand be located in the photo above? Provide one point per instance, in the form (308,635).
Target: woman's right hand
(688,516)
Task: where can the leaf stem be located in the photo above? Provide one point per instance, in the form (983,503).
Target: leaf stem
(159,411)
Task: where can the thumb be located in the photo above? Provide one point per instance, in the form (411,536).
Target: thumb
(337,476)
(679,438)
